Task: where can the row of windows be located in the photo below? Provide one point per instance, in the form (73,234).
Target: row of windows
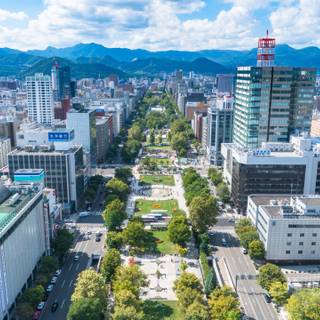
(302,235)
(301,243)
(300,251)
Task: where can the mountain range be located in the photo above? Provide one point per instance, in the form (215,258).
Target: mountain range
(93,60)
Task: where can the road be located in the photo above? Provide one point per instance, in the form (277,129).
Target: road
(85,245)
(250,293)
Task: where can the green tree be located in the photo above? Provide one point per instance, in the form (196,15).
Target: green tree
(223,192)
(135,133)
(127,313)
(304,305)
(24,311)
(151,137)
(188,289)
(119,188)
(247,237)
(197,310)
(33,295)
(123,174)
(62,242)
(114,240)
(203,213)
(215,176)
(256,249)
(279,292)
(180,143)
(269,273)
(48,265)
(85,309)
(90,284)
(178,229)
(111,261)
(114,214)
(129,278)
(224,305)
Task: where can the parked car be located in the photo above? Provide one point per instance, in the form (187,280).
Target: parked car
(267,297)
(41,305)
(244,251)
(57,273)
(54,306)
(54,280)
(98,239)
(224,242)
(49,288)
(76,257)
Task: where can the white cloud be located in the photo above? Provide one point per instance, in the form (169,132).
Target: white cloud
(9,15)
(157,24)
(297,23)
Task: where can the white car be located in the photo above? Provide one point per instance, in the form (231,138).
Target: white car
(54,280)
(49,288)
(41,305)
(57,273)
(84,214)
(76,257)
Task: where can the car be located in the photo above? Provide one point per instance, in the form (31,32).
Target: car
(54,280)
(89,233)
(224,242)
(49,288)
(57,273)
(41,305)
(98,239)
(36,315)
(54,306)
(267,298)
(244,251)
(76,257)
(84,214)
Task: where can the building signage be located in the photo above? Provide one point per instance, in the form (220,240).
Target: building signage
(60,136)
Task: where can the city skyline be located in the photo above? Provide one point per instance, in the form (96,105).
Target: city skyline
(158,24)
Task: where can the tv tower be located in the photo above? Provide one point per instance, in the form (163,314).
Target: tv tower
(266,51)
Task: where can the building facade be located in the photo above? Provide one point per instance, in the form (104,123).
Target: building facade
(64,170)
(220,124)
(102,138)
(225,83)
(40,99)
(22,242)
(276,168)
(5,148)
(272,103)
(288,226)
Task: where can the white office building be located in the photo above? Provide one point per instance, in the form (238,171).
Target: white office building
(289,226)
(40,99)
(5,148)
(22,241)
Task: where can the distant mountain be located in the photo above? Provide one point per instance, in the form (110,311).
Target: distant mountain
(94,59)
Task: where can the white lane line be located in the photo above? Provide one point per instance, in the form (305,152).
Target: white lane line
(70,284)
(63,283)
(70,266)
(62,304)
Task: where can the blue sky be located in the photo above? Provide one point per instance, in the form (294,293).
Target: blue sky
(158,24)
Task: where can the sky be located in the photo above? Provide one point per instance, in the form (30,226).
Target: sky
(158,24)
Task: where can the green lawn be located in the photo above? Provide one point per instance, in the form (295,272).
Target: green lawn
(155,147)
(145,206)
(164,245)
(167,180)
(162,310)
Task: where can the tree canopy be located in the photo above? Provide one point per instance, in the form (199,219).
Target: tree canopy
(85,309)
(110,262)
(269,273)
(179,231)
(114,214)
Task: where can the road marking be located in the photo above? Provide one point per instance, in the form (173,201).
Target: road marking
(62,304)
(70,284)
(77,267)
(70,266)
(63,283)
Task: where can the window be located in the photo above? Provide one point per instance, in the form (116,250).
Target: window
(313,252)
(314,234)
(300,252)
(288,243)
(301,243)
(313,243)
(301,235)
(289,234)
(287,251)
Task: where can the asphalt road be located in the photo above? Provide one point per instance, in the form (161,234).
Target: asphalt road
(250,293)
(85,245)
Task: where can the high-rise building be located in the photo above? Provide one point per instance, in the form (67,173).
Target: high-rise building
(5,148)
(22,238)
(102,138)
(220,123)
(266,51)
(85,133)
(61,82)
(40,98)
(8,129)
(271,103)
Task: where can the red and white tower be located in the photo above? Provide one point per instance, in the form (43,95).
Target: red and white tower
(266,51)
